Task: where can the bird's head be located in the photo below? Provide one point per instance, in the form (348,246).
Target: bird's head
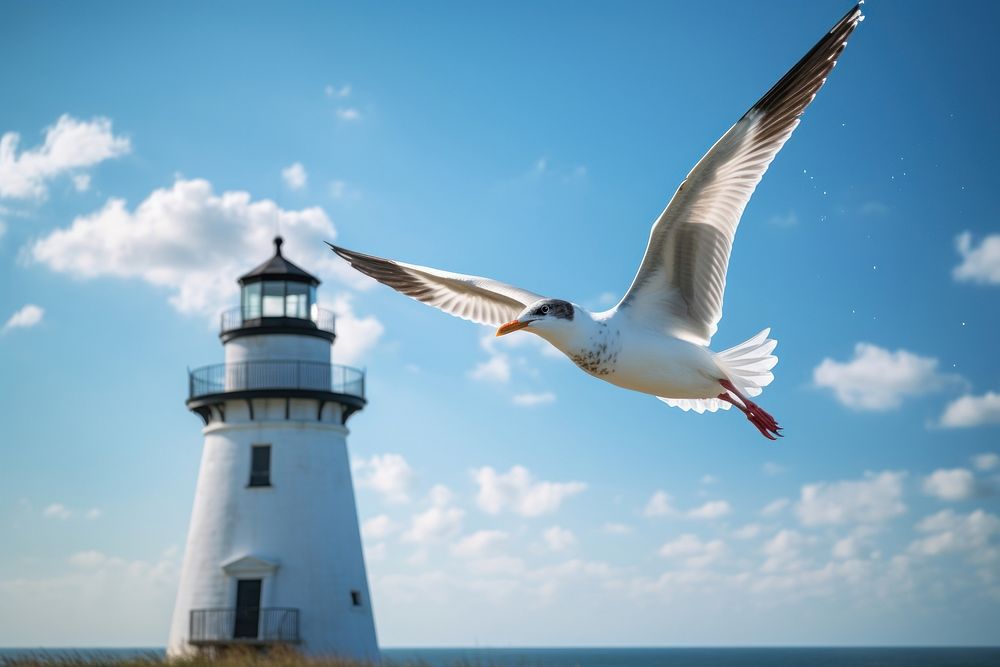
(546,317)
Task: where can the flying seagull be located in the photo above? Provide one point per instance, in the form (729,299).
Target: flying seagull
(655,340)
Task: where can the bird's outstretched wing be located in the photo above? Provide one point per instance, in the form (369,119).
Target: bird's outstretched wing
(682,278)
(480,300)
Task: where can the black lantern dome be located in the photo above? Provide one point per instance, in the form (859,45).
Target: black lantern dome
(279,268)
(279,297)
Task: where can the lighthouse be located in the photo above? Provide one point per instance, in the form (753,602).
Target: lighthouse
(273,552)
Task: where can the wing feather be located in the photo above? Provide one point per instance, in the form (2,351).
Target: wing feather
(480,300)
(680,283)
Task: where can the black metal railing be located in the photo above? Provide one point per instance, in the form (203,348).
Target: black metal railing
(254,375)
(223,626)
(234,319)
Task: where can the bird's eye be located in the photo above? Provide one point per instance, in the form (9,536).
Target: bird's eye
(545,310)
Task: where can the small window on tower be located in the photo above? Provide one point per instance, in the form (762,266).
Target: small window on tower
(260,465)
(356,598)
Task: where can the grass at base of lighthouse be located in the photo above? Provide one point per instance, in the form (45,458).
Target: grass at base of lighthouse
(235,657)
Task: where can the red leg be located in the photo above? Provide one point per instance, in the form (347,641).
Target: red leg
(757,416)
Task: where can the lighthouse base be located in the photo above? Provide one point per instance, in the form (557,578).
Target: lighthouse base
(273,556)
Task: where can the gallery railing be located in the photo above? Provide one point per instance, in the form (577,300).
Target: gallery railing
(244,624)
(258,375)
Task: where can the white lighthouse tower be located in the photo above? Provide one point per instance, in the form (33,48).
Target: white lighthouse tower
(273,551)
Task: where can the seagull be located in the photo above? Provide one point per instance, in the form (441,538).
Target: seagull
(656,339)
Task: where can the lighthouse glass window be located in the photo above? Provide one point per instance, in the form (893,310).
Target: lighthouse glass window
(297,300)
(274,299)
(251,301)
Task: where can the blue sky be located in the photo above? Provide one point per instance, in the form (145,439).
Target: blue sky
(148,156)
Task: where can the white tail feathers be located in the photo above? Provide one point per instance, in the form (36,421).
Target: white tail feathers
(748,366)
(699,405)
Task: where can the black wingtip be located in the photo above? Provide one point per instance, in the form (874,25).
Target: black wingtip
(809,74)
(341,252)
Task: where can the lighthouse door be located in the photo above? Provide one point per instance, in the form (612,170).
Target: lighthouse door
(247,609)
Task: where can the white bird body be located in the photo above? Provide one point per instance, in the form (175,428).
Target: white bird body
(609,346)
(663,366)
(656,339)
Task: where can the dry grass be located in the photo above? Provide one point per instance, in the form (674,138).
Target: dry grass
(230,658)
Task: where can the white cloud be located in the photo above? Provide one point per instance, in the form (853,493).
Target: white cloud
(356,336)
(660,504)
(713,509)
(530,400)
(606,299)
(518,491)
(378,527)
(850,546)
(57,511)
(375,552)
(88,559)
(190,241)
(690,550)
(969,411)
(81,182)
(503,565)
(440,495)
(480,544)
(748,532)
(440,522)
(771,468)
(846,547)
(94,598)
(503,356)
(295,176)
(979,264)
(877,379)
(783,550)
(334,91)
(348,114)
(25,318)
(616,528)
(69,145)
(786,220)
(952,533)
(986,461)
(494,369)
(387,474)
(873,499)
(953,484)
(343,190)
(3,227)
(558,538)
(775,506)
(62,512)
(874,208)
(493,344)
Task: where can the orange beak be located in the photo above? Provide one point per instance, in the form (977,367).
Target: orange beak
(513,325)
